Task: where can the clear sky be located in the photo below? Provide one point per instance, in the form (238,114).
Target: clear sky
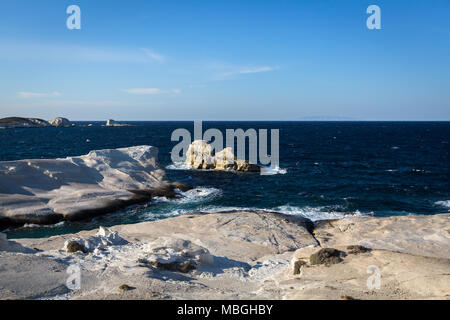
(225,60)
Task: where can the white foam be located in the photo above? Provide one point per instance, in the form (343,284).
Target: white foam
(264,170)
(269,171)
(319,213)
(179,166)
(194,195)
(32,225)
(199,194)
(445,204)
(312,213)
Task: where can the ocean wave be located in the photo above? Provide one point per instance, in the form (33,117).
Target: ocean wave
(199,194)
(272,171)
(32,225)
(179,166)
(445,204)
(312,213)
(264,170)
(319,213)
(194,195)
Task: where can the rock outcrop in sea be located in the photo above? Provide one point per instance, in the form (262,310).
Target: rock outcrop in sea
(46,191)
(113,123)
(200,156)
(60,122)
(18,122)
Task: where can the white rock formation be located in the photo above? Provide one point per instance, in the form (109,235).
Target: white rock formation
(47,191)
(176,254)
(60,122)
(103,239)
(252,255)
(200,156)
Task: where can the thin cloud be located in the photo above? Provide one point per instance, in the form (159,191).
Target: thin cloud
(151,91)
(77,103)
(34,95)
(25,50)
(243,70)
(153,55)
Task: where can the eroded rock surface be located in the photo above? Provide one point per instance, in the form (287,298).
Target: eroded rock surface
(420,235)
(240,255)
(200,156)
(46,191)
(176,255)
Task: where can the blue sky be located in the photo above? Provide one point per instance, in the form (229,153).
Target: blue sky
(225,60)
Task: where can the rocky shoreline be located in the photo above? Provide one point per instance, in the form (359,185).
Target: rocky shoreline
(237,255)
(46,191)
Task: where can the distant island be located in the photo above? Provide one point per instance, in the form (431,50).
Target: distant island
(19,122)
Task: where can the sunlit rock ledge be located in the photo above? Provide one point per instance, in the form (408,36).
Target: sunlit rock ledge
(50,190)
(237,255)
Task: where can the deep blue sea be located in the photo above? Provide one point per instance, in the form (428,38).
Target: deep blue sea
(332,169)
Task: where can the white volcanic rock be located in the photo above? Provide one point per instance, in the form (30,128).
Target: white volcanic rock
(252,255)
(103,239)
(60,122)
(113,123)
(49,190)
(419,235)
(175,254)
(200,156)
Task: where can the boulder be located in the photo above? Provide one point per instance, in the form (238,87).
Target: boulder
(326,256)
(60,122)
(173,254)
(200,155)
(225,160)
(103,239)
(125,287)
(74,246)
(356,249)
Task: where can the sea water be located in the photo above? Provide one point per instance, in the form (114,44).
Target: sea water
(327,169)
